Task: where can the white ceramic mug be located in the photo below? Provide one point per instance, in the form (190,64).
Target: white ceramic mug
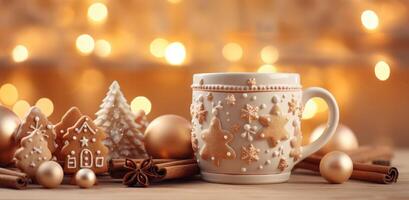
(246,126)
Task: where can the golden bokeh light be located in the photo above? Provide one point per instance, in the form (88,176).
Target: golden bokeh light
(174,1)
(20,53)
(158,47)
(97,12)
(382,70)
(141,103)
(269,54)
(370,19)
(232,52)
(8,94)
(46,106)
(310,109)
(175,53)
(85,44)
(321,104)
(21,108)
(267,68)
(102,48)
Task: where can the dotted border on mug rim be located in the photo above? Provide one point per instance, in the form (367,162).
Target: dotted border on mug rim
(255,88)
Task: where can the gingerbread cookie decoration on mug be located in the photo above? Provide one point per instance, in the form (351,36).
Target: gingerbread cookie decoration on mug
(274,125)
(36,120)
(84,148)
(216,147)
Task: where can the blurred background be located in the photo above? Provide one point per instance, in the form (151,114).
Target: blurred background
(57,54)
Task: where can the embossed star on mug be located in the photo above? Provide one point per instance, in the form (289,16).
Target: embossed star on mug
(274,126)
(216,147)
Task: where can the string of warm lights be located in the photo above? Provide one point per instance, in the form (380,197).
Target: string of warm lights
(175,54)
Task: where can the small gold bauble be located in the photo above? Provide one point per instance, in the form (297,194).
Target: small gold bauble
(9,122)
(49,174)
(85,178)
(343,139)
(336,167)
(168,136)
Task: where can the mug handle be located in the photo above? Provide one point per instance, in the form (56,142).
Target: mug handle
(333,117)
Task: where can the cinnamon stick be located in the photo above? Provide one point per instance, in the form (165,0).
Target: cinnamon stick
(168,168)
(119,161)
(13,179)
(370,153)
(12,173)
(175,163)
(146,172)
(364,172)
(363,154)
(308,166)
(375,173)
(178,169)
(382,162)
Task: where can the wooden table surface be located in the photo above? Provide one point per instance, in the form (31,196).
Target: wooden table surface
(302,185)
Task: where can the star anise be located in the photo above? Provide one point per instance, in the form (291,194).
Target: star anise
(140,175)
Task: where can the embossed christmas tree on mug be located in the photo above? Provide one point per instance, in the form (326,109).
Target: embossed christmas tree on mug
(246,126)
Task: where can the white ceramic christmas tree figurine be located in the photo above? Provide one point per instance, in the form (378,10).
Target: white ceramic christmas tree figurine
(125,139)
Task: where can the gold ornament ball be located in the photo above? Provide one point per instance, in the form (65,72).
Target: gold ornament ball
(168,136)
(336,167)
(343,139)
(85,178)
(7,155)
(49,174)
(9,122)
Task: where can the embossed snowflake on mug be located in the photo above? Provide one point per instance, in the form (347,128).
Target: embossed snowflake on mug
(230,99)
(250,153)
(249,113)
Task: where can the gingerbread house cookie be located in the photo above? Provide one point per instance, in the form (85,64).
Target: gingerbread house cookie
(84,148)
